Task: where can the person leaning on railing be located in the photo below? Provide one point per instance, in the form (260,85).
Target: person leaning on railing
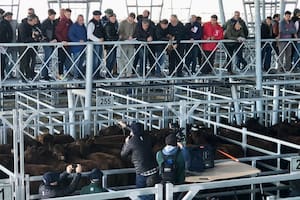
(28,55)
(234,32)
(211,31)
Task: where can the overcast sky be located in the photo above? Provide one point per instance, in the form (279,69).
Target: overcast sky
(204,8)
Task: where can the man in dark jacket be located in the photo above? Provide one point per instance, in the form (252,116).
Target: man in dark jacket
(144,33)
(177,32)
(139,146)
(161,34)
(111,34)
(266,33)
(27,35)
(95,33)
(61,32)
(193,32)
(48,31)
(54,183)
(6,36)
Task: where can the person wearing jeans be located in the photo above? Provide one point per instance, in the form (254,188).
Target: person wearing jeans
(111,34)
(77,33)
(266,33)
(48,31)
(287,30)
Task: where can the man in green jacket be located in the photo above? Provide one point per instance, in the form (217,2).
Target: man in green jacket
(172,148)
(94,187)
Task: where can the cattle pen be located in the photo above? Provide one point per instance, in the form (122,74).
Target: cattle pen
(219,101)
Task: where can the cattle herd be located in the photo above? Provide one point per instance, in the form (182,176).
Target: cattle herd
(54,152)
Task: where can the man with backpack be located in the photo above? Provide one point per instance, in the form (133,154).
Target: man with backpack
(171,161)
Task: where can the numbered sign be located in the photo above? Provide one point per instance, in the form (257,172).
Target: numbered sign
(105,101)
(5,192)
(295,164)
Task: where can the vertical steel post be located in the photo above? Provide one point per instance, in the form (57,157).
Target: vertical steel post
(221,10)
(282,8)
(258,68)
(263,9)
(275,105)
(88,88)
(16,153)
(71,107)
(236,104)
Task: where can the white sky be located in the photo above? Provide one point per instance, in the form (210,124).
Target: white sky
(204,8)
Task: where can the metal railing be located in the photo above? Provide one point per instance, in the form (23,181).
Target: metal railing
(152,57)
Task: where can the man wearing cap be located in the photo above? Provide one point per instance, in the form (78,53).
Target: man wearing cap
(95,33)
(173,148)
(126,33)
(53,186)
(95,186)
(138,144)
(6,36)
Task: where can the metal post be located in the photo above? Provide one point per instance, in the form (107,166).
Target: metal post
(22,158)
(16,151)
(71,107)
(275,105)
(236,104)
(258,57)
(88,89)
(282,8)
(263,11)
(221,10)
(182,113)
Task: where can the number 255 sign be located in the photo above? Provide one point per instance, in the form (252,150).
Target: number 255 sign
(295,164)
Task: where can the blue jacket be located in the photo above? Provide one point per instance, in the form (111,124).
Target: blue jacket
(75,34)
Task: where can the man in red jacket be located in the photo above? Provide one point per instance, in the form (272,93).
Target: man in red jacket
(211,31)
(61,33)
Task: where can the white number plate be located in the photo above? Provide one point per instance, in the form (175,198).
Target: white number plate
(105,101)
(295,164)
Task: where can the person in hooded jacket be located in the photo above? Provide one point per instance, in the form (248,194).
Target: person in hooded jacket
(54,184)
(138,145)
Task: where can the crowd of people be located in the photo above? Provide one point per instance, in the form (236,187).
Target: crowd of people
(167,166)
(71,59)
